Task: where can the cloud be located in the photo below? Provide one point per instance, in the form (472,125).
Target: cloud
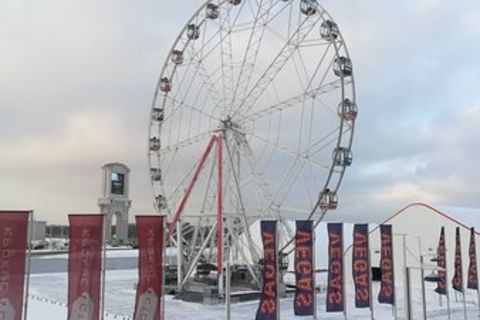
(78,79)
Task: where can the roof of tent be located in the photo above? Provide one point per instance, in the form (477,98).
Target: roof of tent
(466,217)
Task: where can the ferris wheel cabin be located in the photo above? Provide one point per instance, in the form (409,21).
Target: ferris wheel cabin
(343,67)
(329,31)
(347,110)
(193,32)
(307,7)
(177,57)
(212,11)
(165,85)
(342,157)
(328,200)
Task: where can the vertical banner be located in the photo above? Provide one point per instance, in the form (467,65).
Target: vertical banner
(84,266)
(457,281)
(148,300)
(442,263)
(472,267)
(13,246)
(268,308)
(387,287)
(361,266)
(304,295)
(335,290)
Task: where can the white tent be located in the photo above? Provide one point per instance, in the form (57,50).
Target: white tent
(420,225)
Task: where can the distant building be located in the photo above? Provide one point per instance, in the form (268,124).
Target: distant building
(114,200)
(39,229)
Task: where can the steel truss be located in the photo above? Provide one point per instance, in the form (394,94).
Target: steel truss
(253,118)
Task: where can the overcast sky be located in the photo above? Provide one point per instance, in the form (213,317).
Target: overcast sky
(77,80)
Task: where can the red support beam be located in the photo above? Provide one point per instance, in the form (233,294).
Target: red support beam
(180,207)
(219,207)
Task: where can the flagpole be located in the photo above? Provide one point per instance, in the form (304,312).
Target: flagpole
(277,270)
(343,279)
(446,280)
(370,287)
(227,289)
(27,263)
(164,261)
(476,264)
(314,274)
(102,266)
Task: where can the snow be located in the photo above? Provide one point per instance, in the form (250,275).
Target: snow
(48,296)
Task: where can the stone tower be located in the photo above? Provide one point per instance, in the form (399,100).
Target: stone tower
(114,200)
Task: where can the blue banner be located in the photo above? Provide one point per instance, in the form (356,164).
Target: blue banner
(442,263)
(335,291)
(387,288)
(304,269)
(457,281)
(361,266)
(268,309)
(472,268)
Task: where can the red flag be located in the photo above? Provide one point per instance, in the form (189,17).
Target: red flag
(457,281)
(335,289)
(361,266)
(268,307)
(148,300)
(442,263)
(13,245)
(387,288)
(304,294)
(84,266)
(472,268)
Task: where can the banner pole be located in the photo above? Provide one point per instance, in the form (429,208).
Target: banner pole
(478,299)
(343,278)
(370,287)
(446,285)
(28,263)
(227,289)
(476,264)
(394,305)
(314,274)
(277,270)
(102,264)
(164,261)
(220,243)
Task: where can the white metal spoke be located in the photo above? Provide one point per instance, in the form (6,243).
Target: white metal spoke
(280,60)
(251,51)
(292,102)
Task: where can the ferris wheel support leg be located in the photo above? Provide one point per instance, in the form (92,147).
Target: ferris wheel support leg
(180,207)
(219,216)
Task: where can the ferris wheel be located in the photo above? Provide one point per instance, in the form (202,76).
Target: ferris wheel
(253,118)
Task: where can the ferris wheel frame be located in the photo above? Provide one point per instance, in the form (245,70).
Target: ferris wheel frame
(347,112)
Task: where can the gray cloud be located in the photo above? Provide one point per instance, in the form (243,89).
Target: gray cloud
(78,78)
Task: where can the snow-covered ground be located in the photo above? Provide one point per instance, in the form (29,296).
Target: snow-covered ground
(48,292)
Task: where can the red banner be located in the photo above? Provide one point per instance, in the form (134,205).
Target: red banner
(387,288)
(361,266)
(268,308)
(84,266)
(472,268)
(335,290)
(304,295)
(13,245)
(442,263)
(457,281)
(148,300)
